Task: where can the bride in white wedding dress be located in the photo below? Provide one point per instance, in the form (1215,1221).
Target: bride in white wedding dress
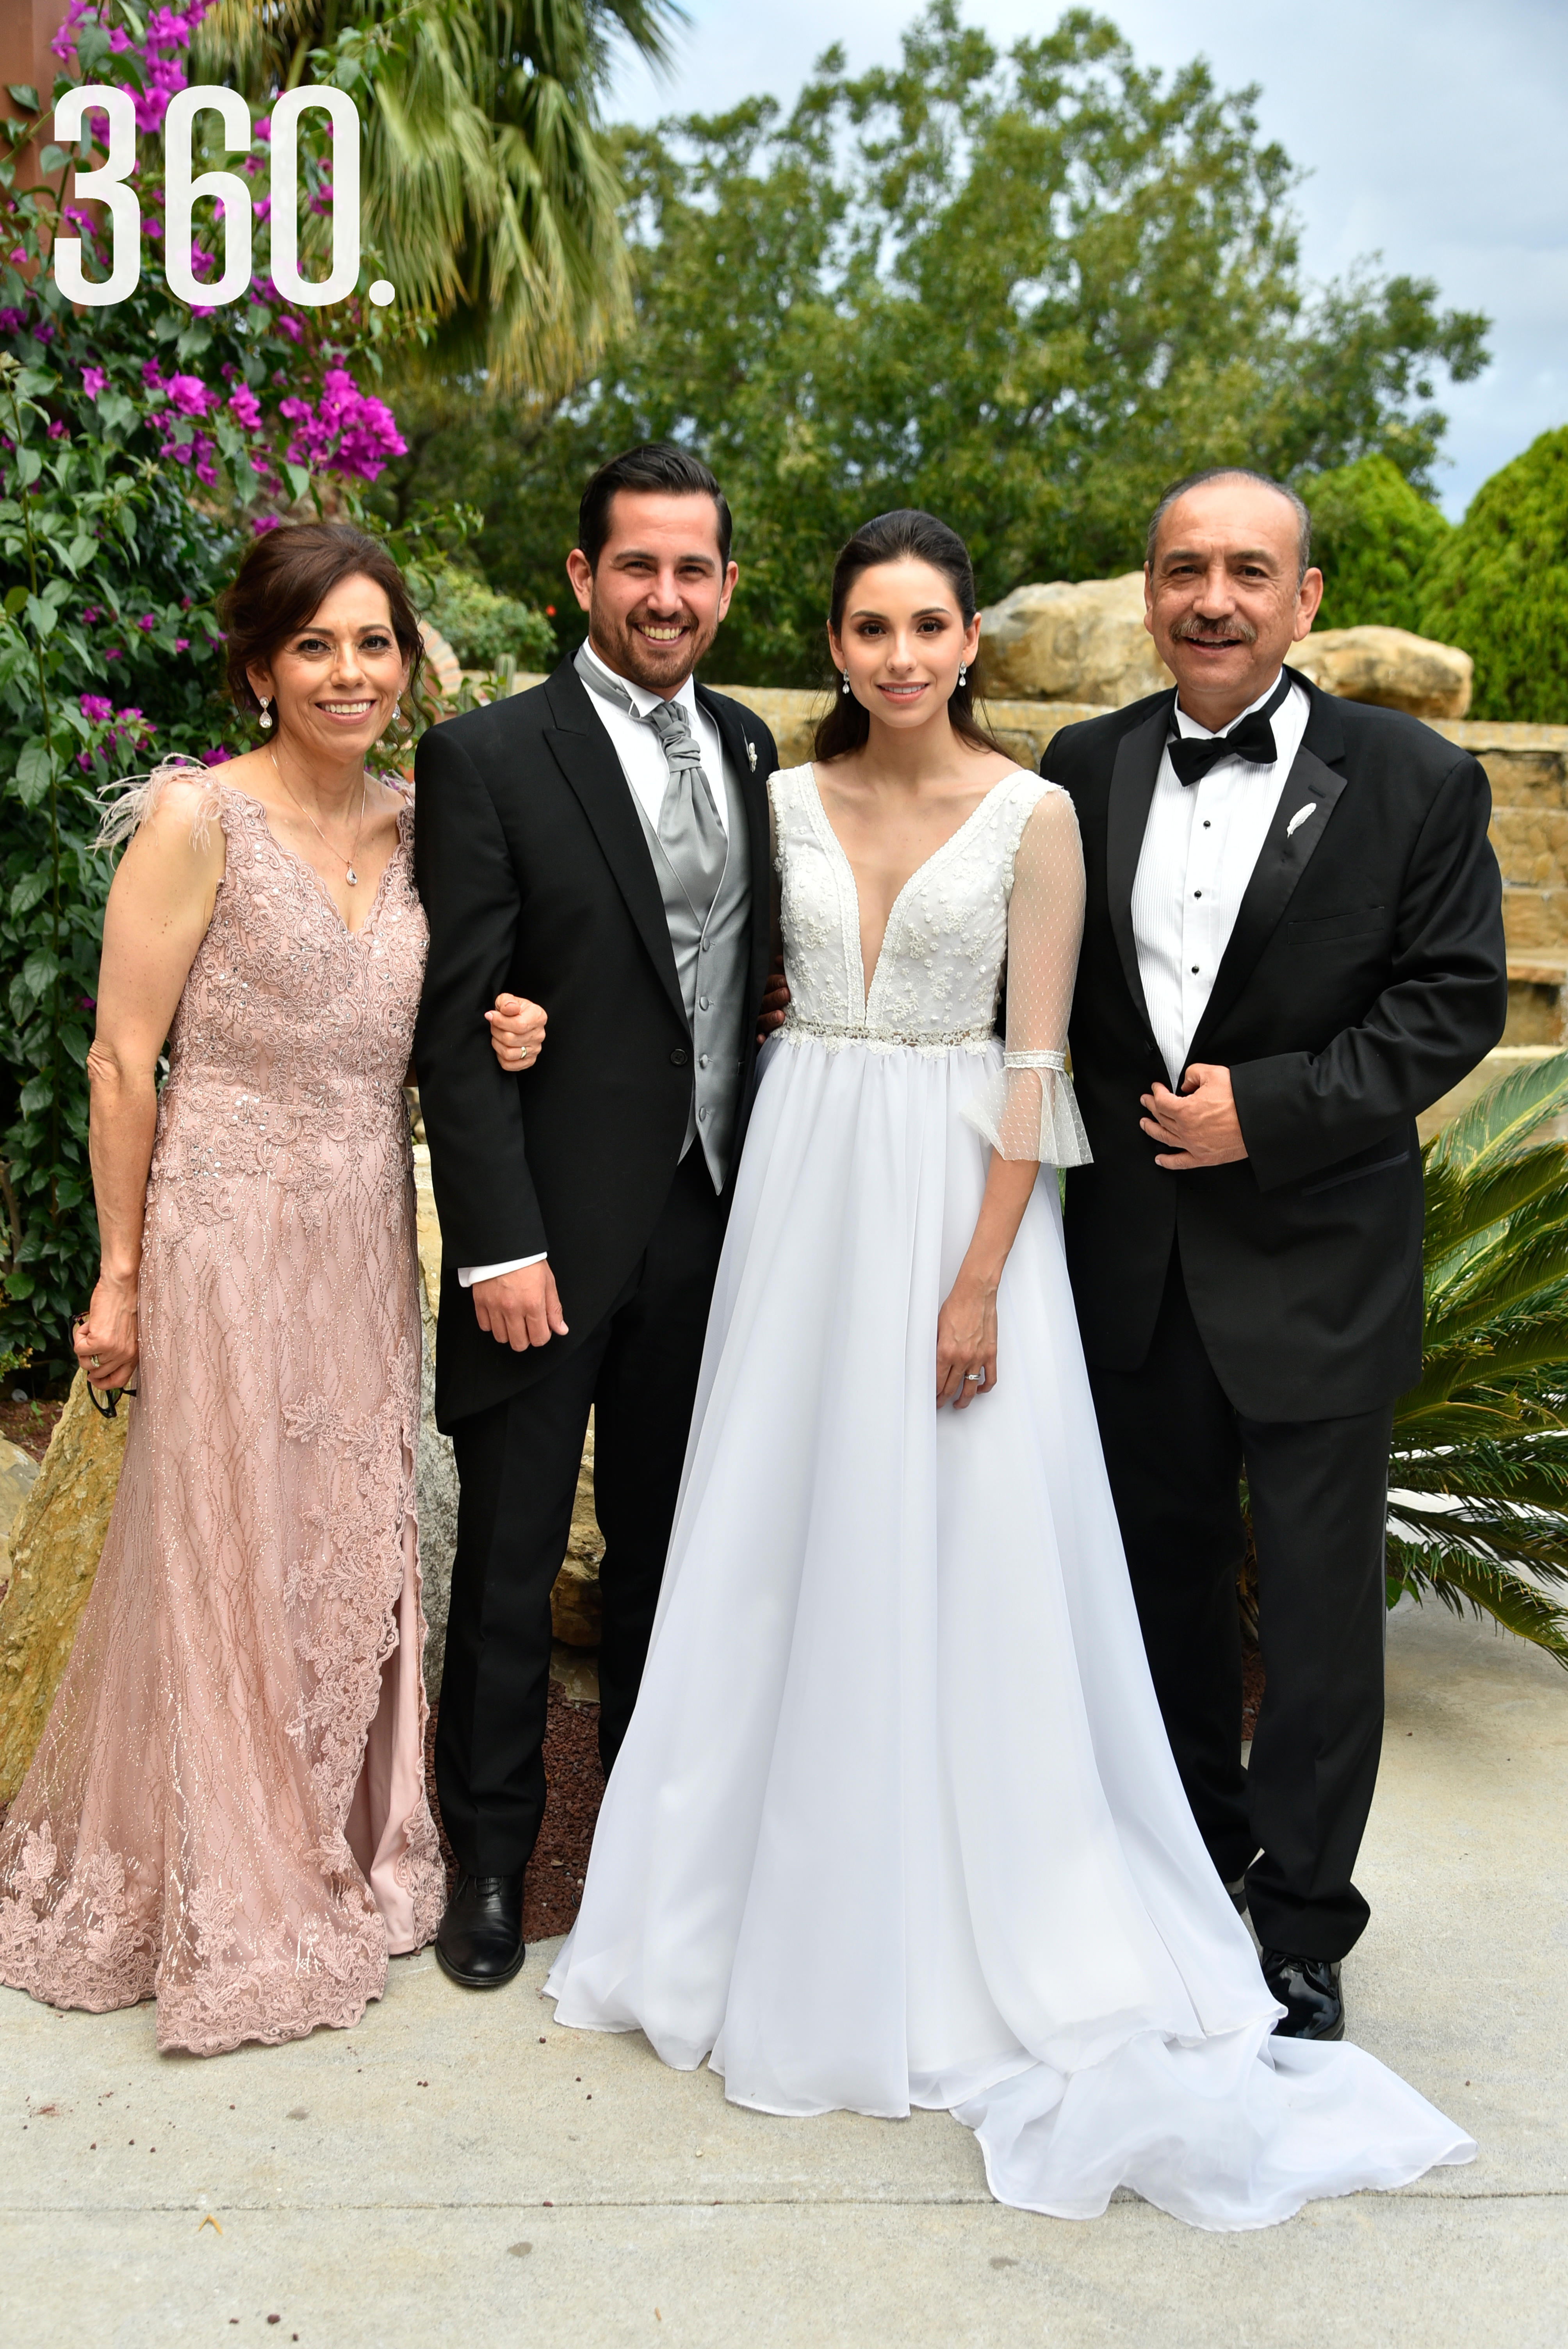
(896,1822)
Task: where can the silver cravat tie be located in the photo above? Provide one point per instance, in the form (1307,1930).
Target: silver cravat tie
(690,833)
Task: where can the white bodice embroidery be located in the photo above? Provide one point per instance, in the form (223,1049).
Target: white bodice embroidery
(1003,893)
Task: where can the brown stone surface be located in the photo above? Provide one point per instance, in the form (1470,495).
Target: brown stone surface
(1071,640)
(1389,666)
(54,1545)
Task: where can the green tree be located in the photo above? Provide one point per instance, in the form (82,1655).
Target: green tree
(1498,586)
(1026,291)
(1373,535)
(487,190)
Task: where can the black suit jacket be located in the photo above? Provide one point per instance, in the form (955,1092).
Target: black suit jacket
(1365,976)
(535,875)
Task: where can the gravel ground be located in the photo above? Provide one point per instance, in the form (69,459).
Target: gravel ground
(555,1880)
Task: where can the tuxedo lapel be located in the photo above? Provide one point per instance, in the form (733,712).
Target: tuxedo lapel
(1299,823)
(1132,781)
(587,757)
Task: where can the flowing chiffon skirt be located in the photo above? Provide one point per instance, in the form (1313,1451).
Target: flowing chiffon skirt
(896,1821)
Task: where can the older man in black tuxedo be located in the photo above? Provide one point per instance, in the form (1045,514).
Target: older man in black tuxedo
(1293,944)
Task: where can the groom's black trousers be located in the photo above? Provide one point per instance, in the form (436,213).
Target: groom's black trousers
(1175,1448)
(518,1463)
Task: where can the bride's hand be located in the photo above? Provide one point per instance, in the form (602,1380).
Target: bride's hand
(966,1343)
(517,1031)
(104,1339)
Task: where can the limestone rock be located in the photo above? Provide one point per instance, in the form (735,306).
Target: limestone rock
(19,1475)
(1071,640)
(575,1608)
(1390,667)
(54,1545)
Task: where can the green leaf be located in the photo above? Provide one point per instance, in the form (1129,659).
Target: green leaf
(115,411)
(15,599)
(42,615)
(26,96)
(1505,1119)
(29,890)
(39,972)
(52,159)
(35,771)
(36,1095)
(29,465)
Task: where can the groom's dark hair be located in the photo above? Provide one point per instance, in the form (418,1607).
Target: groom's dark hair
(653,465)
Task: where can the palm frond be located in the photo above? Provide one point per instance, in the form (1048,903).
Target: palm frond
(1463,1579)
(1505,1119)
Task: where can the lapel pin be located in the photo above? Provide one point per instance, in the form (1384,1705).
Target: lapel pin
(1299,818)
(751,753)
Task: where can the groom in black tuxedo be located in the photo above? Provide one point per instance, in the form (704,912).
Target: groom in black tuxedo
(1292,944)
(601,845)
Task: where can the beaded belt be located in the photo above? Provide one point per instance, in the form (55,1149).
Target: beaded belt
(828,1032)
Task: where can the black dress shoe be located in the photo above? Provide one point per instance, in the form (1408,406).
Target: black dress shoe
(1308,1990)
(480,1940)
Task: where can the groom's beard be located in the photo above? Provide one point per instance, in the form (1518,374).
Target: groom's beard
(657,666)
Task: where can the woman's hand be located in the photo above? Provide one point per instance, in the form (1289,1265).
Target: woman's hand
(517,1031)
(105,1336)
(966,1342)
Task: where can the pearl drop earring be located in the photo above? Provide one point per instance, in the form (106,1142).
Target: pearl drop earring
(962,674)
(846,680)
(266,717)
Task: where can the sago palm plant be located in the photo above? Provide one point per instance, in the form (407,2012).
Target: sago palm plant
(1477,1511)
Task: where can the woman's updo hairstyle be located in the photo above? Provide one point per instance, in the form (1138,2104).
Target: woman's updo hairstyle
(906,534)
(286,577)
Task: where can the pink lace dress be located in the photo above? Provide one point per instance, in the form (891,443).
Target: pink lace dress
(227,1810)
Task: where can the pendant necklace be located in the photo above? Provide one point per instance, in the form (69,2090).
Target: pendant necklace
(349,875)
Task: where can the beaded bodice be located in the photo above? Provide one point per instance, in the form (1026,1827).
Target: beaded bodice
(939,973)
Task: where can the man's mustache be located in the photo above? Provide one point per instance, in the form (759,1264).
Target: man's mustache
(1192,629)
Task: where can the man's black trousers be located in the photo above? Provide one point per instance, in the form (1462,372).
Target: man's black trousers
(517,1465)
(1175,1449)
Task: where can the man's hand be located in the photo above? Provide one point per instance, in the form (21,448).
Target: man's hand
(774,1003)
(1199,1126)
(521,1309)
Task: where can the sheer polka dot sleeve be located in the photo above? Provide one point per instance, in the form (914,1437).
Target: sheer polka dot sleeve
(1030,1111)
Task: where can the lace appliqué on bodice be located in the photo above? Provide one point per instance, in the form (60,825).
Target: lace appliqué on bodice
(1003,896)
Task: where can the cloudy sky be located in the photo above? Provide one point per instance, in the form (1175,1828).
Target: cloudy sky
(1435,132)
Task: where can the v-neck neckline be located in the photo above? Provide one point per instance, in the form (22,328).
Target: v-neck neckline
(867,986)
(294,857)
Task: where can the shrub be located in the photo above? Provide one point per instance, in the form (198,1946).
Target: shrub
(1372,537)
(1498,586)
(486,630)
(139,446)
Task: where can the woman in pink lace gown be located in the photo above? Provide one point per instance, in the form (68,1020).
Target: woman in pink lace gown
(227,1811)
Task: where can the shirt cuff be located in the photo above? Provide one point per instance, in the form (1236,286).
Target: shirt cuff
(469,1273)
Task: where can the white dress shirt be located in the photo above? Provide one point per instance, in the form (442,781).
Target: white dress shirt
(1200,846)
(647,770)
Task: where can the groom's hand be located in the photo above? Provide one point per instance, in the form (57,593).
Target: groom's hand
(521,1309)
(1198,1125)
(774,1003)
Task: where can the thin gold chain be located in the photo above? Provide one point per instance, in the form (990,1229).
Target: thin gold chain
(350,874)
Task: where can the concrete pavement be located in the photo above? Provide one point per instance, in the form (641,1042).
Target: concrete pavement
(459,2171)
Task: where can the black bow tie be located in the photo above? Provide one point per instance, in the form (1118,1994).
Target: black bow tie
(1253,739)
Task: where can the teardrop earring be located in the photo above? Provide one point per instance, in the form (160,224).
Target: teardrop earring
(962,674)
(846,680)
(266,716)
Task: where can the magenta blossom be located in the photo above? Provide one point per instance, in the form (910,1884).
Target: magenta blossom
(266,522)
(188,396)
(94,380)
(217,757)
(10,320)
(92,612)
(245,407)
(181,644)
(289,326)
(97,709)
(111,652)
(148,620)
